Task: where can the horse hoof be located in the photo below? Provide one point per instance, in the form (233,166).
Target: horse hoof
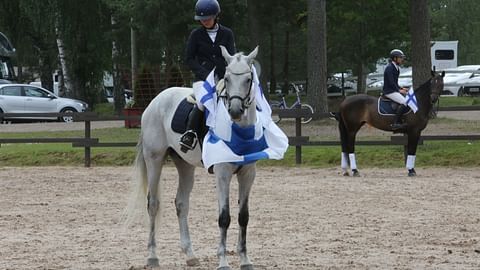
(152,262)
(193,262)
(224,268)
(412,172)
(246,267)
(355,173)
(345,173)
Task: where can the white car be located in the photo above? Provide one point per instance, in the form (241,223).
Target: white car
(470,86)
(452,83)
(25,98)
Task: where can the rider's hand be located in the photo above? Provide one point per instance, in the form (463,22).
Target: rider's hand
(403,90)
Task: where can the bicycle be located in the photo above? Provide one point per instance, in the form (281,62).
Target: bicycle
(283,105)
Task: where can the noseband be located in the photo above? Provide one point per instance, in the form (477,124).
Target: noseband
(246,100)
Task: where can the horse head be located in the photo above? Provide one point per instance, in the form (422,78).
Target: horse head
(436,85)
(238,82)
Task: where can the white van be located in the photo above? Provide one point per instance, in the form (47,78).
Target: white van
(444,54)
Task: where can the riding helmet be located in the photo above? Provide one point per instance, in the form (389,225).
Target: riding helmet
(206,9)
(396,53)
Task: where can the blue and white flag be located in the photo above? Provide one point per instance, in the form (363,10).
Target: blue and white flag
(228,142)
(412,100)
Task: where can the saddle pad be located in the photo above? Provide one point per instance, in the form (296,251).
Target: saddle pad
(179,121)
(388,107)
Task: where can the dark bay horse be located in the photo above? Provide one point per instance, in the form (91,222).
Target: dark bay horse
(357,110)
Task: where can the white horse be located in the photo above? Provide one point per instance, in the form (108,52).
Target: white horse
(158,140)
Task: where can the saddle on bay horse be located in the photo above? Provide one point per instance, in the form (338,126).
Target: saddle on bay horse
(389,107)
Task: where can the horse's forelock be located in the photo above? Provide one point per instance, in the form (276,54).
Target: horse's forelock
(239,64)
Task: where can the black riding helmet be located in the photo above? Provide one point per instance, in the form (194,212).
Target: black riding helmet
(206,9)
(396,53)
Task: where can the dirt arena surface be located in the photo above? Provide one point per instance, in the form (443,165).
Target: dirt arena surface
(301,218)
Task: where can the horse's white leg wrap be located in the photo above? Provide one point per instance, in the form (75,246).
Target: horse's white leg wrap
(246,176)
(223,175)
(353,162)
(344,163)
(410,161)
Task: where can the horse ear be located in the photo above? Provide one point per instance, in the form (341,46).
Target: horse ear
(252,55)
(433,73)
(226,55)
(443,73)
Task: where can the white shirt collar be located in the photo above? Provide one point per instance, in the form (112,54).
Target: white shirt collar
(396,66)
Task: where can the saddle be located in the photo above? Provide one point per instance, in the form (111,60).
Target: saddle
(387,106)
(180,118)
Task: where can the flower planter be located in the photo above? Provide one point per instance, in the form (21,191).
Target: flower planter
(134,115)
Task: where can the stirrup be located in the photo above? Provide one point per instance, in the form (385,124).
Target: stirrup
(397,126)
(188,141)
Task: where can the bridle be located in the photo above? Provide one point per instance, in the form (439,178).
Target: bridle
(247,99)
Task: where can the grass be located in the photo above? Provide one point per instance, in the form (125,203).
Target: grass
(433,153)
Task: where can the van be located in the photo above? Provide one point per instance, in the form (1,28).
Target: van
(444,54)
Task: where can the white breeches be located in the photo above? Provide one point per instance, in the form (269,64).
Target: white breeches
(397,97)
(197,86)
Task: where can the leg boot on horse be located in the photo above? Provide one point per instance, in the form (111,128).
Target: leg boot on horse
(190,138)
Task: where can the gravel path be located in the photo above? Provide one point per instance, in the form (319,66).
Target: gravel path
(301,218)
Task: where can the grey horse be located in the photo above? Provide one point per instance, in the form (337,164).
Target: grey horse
(157,141)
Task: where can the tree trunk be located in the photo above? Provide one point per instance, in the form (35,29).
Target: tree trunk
(286,63)
(133,47)
(317,55)
(273,81)
(420,32)
(253,23)
(118,95)
(255,30)
(66,87)
(361,78)
(46,70)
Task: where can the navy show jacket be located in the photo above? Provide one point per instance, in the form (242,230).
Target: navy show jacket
(203,55)
(390,79)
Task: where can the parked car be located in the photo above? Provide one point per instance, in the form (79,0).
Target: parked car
(126,92)
(470,86)
(25,98)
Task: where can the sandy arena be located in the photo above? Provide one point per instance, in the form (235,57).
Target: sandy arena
(301,218)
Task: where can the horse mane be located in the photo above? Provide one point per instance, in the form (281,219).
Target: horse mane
(423,86)
(426,89)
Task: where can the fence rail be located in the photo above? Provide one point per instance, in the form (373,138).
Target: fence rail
(298,141)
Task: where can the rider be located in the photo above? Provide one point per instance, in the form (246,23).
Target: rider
(391,89)
(203,54)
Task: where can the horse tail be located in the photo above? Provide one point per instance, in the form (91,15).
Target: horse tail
(343,131)
(137,199)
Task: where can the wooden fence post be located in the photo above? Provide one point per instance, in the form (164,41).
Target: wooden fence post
(298,133)
(87,147)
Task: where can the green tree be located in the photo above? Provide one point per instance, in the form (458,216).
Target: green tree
(361,32)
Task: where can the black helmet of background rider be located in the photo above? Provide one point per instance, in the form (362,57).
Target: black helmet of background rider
(396,53)
(206,9)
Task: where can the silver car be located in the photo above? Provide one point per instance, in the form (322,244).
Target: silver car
(25,98)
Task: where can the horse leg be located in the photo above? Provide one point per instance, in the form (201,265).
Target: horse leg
(350,145)
(223,175)
(182,202)
(411,152)
(343,141)
(154,163)
(245,176)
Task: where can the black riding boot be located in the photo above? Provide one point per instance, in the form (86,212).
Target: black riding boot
(397,121)
(189,139)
